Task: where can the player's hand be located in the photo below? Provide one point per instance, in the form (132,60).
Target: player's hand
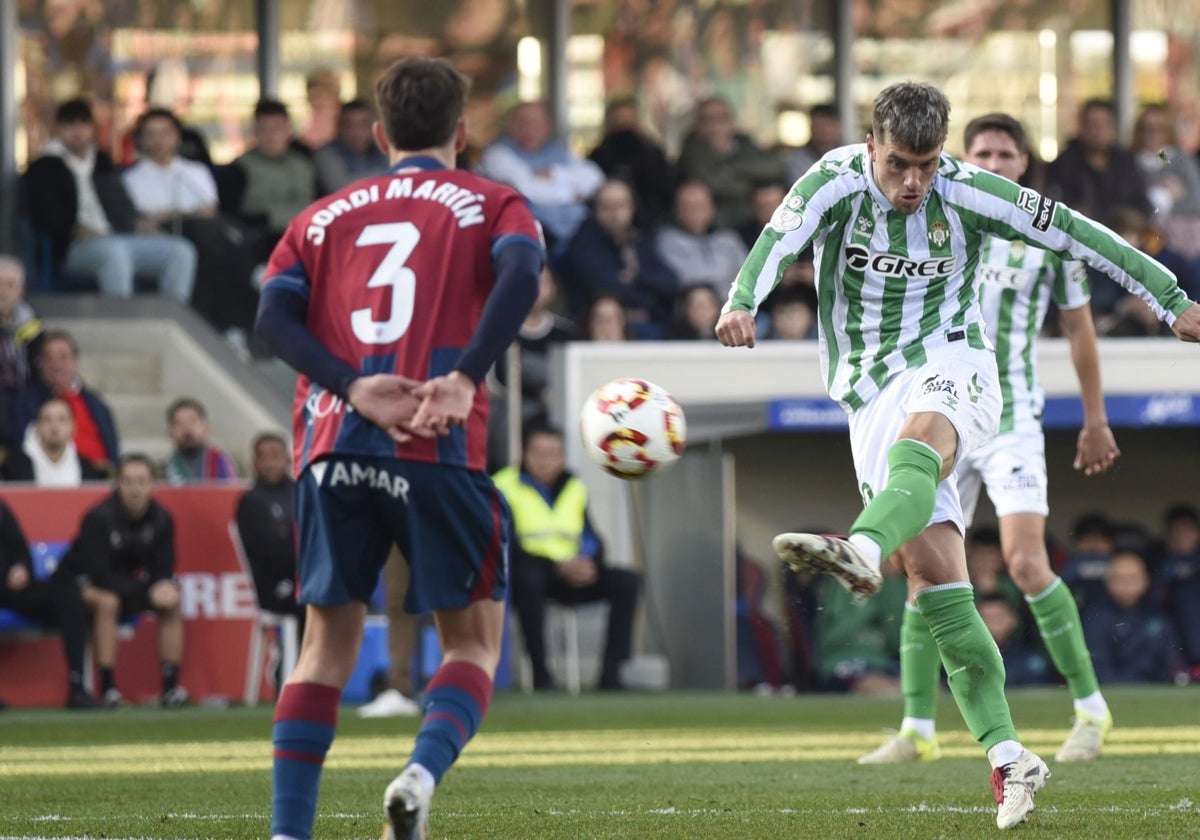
(389,401)
(1096,449)
(1187,325)
(736,328)
(578,572)
(164,595)
(446,401)
(18,578)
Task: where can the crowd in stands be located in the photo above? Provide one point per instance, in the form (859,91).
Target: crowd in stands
(1136,591)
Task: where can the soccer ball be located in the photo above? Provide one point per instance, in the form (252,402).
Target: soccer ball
(632,427)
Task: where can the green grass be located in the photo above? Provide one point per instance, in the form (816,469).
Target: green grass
(600,766)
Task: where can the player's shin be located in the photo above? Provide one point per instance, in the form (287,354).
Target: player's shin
(1058,621)
(455,702)
(973,665)
(901,510)
(305,723)
(919,665)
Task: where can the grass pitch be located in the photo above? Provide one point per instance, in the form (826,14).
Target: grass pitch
(604,766)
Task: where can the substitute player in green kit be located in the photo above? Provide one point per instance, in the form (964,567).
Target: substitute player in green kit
(1016,285)
(897,229)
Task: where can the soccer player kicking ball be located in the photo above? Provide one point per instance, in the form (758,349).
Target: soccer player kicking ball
(1016,285)
(423,273)
(898,228)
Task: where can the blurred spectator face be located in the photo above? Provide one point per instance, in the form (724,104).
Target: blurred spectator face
(1097,129)
(701,309)
(76,136)
(529,126)
(1127,580)
(1152,132)
(714,124)
(60,365)
(613,207)
(998,153)
(606,320)
(1183,536)
(272,134)
(188,430)
(791,321)
(826,132)
(985,561)
(271,461)
(694,208)
(1000,619)
(135,485)
(354,129)
(55,425)
(623,117)
(764,201)
(544,457)
(12,286)
(160,139)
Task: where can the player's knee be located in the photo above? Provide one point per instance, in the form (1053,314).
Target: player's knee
(105,603)
(1029,567)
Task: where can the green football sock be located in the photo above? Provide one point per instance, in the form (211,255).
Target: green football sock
(901,510)
(1058,621)
(919,665)
(972,661)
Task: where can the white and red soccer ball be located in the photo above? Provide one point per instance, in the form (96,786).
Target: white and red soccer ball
(631,428)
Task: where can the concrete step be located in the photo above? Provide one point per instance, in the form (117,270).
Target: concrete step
(139,415)
(116,372)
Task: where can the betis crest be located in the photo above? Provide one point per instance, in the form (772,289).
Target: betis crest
(938,234)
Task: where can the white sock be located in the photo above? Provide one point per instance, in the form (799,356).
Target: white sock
(924,727)
(1006,752)
(424,777)
(868,547)
(1093,705)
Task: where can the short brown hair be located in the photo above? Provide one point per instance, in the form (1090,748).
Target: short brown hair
(996,122)
(421,101)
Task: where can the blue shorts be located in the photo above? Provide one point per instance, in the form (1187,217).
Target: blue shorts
(452,525)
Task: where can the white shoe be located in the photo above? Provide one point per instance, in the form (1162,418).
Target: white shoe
(905,746)
(114,699)
(1086,739)
(1014,786)
(389,703)
(831,555)
(407,807)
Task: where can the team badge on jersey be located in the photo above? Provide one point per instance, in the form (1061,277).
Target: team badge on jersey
(1016,251)
(788,216)
(938,234)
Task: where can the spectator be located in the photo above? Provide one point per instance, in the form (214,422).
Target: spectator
(1093,173)
(1023,664)
(764,199)
(270,184)
(606,321)
(266,521)
(728,161)
(556,554)
(77,199)
(323,90)
(627,154)
(1181,577)
(195,458)
(48,457)
(792,312)
(1172,177)
(396,686)
(1125,314)
(353,153)
(609,255)
(55,603)
(693,248)
(124,563)
(1093,541)
(696,314)
(1130,640)
(95,430)
(556,181)
(177,195)
(858,646)
(825,135)
(21,338)
(987,569)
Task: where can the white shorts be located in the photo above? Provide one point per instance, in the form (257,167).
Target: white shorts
(1013,468)
(964,389)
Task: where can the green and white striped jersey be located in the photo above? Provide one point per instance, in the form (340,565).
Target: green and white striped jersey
(895,291)
(1016,285)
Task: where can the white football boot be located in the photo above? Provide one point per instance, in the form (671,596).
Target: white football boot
(832,555)
(407,807)
(1086,740)
(1014,785)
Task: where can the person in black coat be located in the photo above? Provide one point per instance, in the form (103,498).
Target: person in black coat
(124,563)
(54,603)
(266,520)
(627,154)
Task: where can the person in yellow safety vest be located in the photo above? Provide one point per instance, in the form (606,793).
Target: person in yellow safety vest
(556,554)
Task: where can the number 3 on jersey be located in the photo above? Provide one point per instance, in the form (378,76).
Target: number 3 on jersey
(403,237)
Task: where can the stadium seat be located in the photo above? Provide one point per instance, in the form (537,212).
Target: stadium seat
(286,628)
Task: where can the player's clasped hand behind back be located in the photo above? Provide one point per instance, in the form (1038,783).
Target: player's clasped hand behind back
(404,407)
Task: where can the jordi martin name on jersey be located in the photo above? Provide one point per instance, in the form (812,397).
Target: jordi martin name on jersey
(463,203)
